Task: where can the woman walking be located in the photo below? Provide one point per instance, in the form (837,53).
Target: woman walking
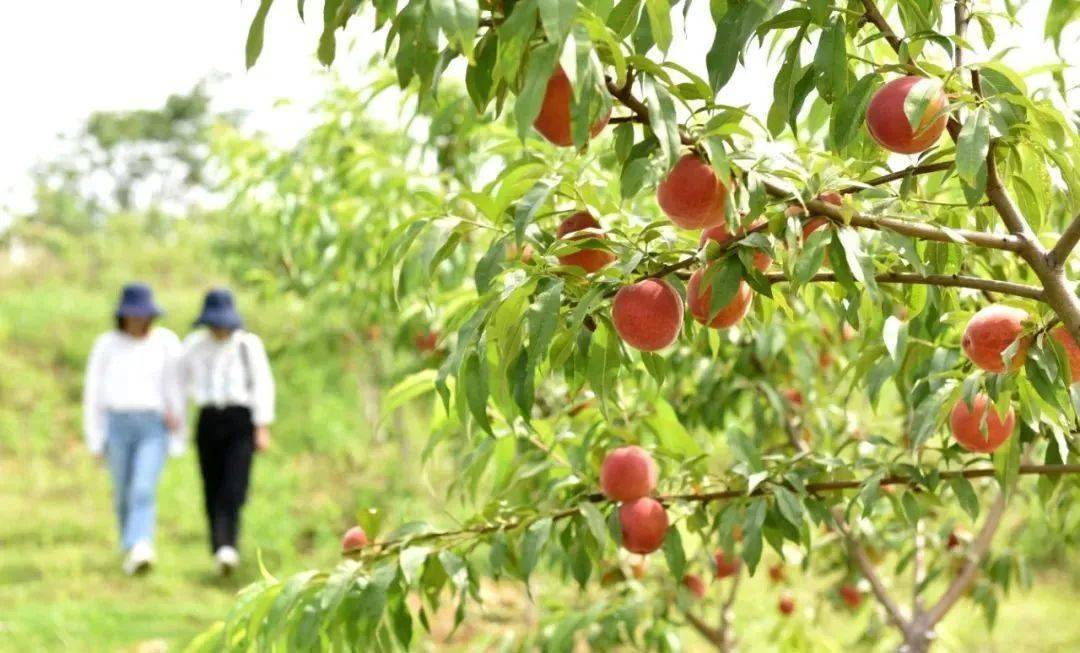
(131,401)
(228,375)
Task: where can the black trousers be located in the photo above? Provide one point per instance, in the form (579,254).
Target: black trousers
(226,442)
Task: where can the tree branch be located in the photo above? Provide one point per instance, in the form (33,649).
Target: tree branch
(866,567)
(911,171)
(975,554)
(708,632)
(878,20)
(1065,245)
(946,280)
(922,231)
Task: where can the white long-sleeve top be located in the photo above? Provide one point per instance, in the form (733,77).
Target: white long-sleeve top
(232,372)
(126,373)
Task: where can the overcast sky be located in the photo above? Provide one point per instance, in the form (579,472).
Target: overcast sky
(62,60)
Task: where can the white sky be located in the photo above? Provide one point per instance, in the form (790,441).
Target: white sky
(62,60)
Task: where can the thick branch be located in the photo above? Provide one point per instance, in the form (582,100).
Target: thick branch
(714,636)
(1065,244)
(922,231)
(975,554)
(948,280)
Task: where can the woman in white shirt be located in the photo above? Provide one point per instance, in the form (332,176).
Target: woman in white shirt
(228,375)
(131,401)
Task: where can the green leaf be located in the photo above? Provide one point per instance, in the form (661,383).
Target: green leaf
(411,562)
(789,505)
(543,318)
(255,33)
(514,35)
(532,544)
(459,20)
(411,387)
(965,494)
(557,16)
(542,62)
(327,41)
(830,61)
(733,30)
(673,552)
(595,521)
(850,113)
(755,517)
(670,432)
(659,12)
(662,120)
(972,145)
(918,101)
(529,205)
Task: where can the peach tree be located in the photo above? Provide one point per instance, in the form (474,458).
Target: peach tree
(841,332)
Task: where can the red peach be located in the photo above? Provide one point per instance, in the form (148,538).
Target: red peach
(990,332)
(589,259)
(888,123)
(648,315)
(720,235)
(553,121)
(1072,351)
(691,195)
(700,301)
(725,565)
(628,473)
(644,524)
(355,538)
(966,424)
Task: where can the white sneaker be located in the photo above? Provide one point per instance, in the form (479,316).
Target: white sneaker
(227,559)
(139,559)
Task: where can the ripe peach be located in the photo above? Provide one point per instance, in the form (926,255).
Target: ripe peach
(851,595)
(889,125)
(644,524)
(695,584)
(648,315)
(1072,351)
(776,573)
(691,195)
(589,259)
(700,301)
(786,605)
(426,341)
(355,538)
(720,235)
(990,332)
(553,121)
(966,424)
(627,473)
(725,565)
(794,397)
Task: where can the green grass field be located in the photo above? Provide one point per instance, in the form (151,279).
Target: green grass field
(61,588)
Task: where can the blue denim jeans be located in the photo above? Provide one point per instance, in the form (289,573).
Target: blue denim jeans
(136,448)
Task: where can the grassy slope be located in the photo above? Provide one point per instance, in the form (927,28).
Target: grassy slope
(60,588)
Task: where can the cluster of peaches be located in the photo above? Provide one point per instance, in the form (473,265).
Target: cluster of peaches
(648,315)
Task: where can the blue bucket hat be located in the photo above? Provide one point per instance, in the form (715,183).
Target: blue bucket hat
(219,310)
(137,300)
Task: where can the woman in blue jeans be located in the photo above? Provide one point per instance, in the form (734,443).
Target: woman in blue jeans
(132,402)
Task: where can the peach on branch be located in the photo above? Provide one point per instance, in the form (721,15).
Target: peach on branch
(851,595)
(1072,351)
(695,584)
(628,473)
(786,605)
(553,121)
(700,300)
(644,524)
(967,425)
(990,332)
(355,538)
(648,315)
(691,195)
(888,122)
(584,226)
(726,564)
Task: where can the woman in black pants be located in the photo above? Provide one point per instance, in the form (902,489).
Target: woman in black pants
(228,375)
